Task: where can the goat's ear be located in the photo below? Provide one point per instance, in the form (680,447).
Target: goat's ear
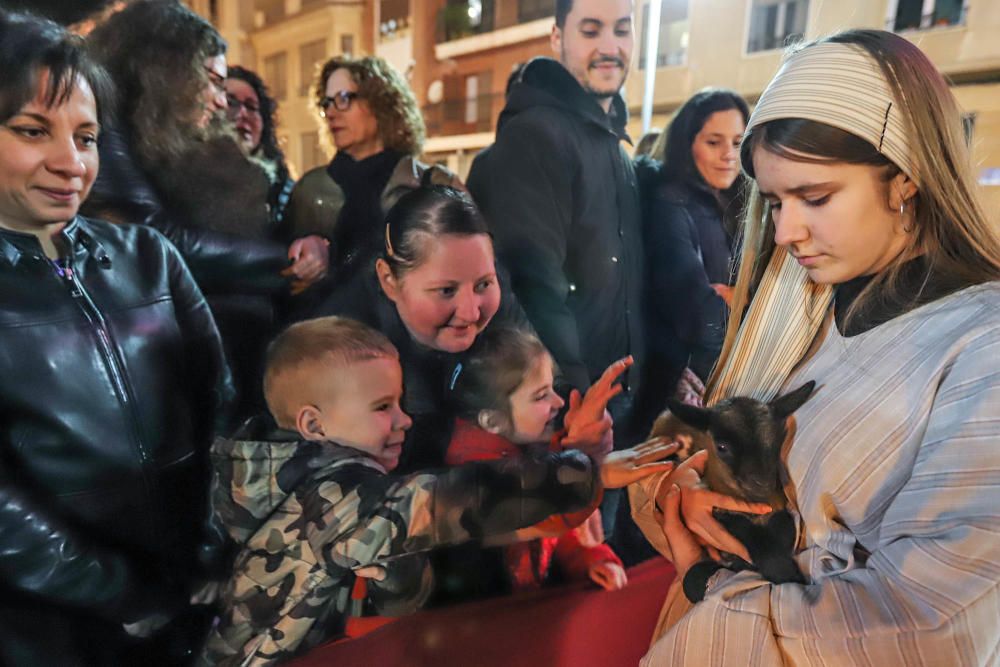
(691,415)
(783,406)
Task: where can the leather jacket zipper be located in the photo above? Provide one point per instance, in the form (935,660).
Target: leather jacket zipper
(112,361)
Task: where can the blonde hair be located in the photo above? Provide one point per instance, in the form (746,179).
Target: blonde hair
(315,346)
(951,228)
(385,91)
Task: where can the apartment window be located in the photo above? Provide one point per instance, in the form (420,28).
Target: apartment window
(774,24)
(672,46)
(472,99)
(530,10)
(312,154)
(310,54)
(395,17)
(475,13)
(394,9)
(270,11)
(276,74)
(922,14)
(468,100)
(347,45)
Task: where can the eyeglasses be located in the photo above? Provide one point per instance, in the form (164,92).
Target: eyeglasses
(235,105)
(340,101)
(216,80)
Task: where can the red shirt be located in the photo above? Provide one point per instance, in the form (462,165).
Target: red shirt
(576,547)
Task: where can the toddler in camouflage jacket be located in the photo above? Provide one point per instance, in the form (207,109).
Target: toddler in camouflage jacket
(310,503)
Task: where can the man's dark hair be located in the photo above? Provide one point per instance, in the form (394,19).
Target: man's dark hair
(30,45)
(563,8)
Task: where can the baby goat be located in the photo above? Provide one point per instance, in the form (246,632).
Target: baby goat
(744,438)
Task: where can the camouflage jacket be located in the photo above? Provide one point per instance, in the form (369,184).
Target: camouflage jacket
(307,514)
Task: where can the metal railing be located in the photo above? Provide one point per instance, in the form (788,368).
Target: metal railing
(463,116)
(464,19)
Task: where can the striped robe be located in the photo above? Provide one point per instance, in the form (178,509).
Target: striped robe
(896,471)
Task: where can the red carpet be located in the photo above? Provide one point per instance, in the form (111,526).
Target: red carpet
(576,625)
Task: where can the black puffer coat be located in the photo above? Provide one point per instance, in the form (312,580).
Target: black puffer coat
(110,378)
(688,248)
(561,198)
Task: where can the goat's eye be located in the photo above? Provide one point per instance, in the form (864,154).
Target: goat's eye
(721,447)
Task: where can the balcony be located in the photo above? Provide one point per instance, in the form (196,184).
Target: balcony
(471,27)
(463,116)
(272,12)
(458,20)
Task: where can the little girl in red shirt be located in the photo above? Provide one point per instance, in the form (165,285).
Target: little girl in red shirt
(506,406)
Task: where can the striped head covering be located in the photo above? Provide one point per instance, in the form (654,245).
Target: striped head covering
(839,85)
(843,86)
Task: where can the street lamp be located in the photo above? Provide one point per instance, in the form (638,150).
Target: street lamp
(652,46)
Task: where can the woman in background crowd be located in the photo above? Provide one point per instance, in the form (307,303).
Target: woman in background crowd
(173,162)
(254,113)
(375,125)
(689,210)
(111,378)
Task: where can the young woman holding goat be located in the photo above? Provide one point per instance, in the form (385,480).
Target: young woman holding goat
(869,267)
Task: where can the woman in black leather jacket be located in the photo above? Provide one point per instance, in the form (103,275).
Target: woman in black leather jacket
(690,204)
(173,161)
(111,375)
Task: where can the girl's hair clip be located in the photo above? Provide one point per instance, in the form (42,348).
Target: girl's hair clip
(454,376)
(388,242)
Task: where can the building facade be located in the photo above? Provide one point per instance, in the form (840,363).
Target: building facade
(458,54)
(739,45)
(731,43)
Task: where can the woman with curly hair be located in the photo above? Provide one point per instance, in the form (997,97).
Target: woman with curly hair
(375,126)
(252,110)
(173,163)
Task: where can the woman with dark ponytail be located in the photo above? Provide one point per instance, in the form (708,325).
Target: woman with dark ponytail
(434,288)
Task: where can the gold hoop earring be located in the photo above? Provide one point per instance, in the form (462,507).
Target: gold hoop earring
(902,217)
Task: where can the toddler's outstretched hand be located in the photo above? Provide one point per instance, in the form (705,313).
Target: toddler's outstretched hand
(623,467)
(609,576)
(375,572)
(588,424)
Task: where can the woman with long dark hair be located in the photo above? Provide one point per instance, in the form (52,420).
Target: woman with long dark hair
(690,205)
(173,162)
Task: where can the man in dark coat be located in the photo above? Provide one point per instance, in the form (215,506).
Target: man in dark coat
(561,197)
(560,194)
